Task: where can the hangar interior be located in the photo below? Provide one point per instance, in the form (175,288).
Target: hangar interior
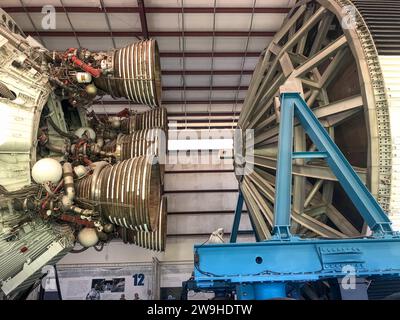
(107,74)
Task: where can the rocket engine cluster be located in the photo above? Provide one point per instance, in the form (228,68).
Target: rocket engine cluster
(68,175)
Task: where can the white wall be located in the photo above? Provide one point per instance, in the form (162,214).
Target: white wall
(178,249)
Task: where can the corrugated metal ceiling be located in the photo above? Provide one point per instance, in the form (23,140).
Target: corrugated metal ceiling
(209,48)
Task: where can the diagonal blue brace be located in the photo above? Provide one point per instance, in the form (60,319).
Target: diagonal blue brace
(236,220)
(293,105)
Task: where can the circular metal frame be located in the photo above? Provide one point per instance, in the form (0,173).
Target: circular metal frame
(343,84)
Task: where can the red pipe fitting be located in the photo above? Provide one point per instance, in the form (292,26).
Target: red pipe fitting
(93,71)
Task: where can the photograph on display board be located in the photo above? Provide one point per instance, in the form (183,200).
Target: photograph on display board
(103,285)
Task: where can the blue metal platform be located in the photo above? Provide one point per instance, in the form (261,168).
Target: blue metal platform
(262,270)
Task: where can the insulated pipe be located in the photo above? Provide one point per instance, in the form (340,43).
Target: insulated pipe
(59,131)
(80,211)
(54,148)
(68,181)
(100,141)
(93,71)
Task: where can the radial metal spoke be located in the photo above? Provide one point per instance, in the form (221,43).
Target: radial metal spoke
(347,104)
(323,29)
(307,170)
(305,221)
(312,193)
(321,56)
(311,47)
(289,45)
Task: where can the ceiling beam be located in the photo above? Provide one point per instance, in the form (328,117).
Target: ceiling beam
(168,102)
(103,34)
(143,19)
(200,54)
(205,72)
(199,88)
(209,54)
(227,115)
(202,121)
(203,114)
(114,9)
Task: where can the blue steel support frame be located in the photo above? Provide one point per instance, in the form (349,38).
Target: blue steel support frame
(294,105)
(282,208)
(261,270)
(236,220)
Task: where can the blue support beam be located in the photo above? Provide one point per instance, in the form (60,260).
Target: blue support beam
(362,199)
(261,270)
(302,260)
(309,155)
(238,215)
(283,193)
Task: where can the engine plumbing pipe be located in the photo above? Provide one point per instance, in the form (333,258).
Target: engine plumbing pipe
(81,212)
(68,181)
(93,71)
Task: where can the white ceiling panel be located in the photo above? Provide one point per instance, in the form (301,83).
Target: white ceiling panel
(203,81)
(168,43)
(118,3)
(77,3)
(176,108)
(86,3)
(230,43)
(242,94)
(168,81)
(249,3)
(230,63)
(172,95)
(197,95)
(257,44)
(198,21)
(222,95)
(268,22)
(177,3)
(17,3)
(10,3)
(124,21)
(59,44)
(96,44)
(62,23)
(23,21)
(226,80)
(241,3)
(250,63)
(245,80)
(198,63)
(124,41)
(204,108)
(232,22)
(89,22)
(202,44)
(171,63)
(172,22)
(274,3)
